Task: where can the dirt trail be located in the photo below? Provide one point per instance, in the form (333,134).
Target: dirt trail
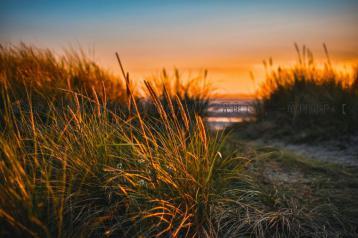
(331,151)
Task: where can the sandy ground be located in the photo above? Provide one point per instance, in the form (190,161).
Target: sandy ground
(331,151)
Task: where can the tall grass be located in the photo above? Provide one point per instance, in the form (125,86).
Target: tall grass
(317,101)
(39,74)
(83,175)
(194,92)
(83,168)
(87,171)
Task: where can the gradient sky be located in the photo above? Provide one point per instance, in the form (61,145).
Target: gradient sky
(229,38)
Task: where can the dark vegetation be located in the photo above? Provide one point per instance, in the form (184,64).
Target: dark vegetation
(306,102)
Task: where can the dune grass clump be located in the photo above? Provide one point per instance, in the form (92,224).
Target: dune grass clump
(30,74)
(87,171)
(84,175)
(314,101)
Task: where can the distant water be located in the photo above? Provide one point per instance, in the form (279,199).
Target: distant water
(224,112)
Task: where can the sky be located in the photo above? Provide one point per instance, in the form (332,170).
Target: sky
(228,38)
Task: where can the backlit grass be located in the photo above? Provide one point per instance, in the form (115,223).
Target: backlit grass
(306,101)
(81,160)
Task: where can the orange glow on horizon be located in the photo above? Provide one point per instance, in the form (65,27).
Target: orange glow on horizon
(226,80)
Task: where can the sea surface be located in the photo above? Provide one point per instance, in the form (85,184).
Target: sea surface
(225,112)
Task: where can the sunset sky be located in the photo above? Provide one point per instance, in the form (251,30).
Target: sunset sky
(229,38)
